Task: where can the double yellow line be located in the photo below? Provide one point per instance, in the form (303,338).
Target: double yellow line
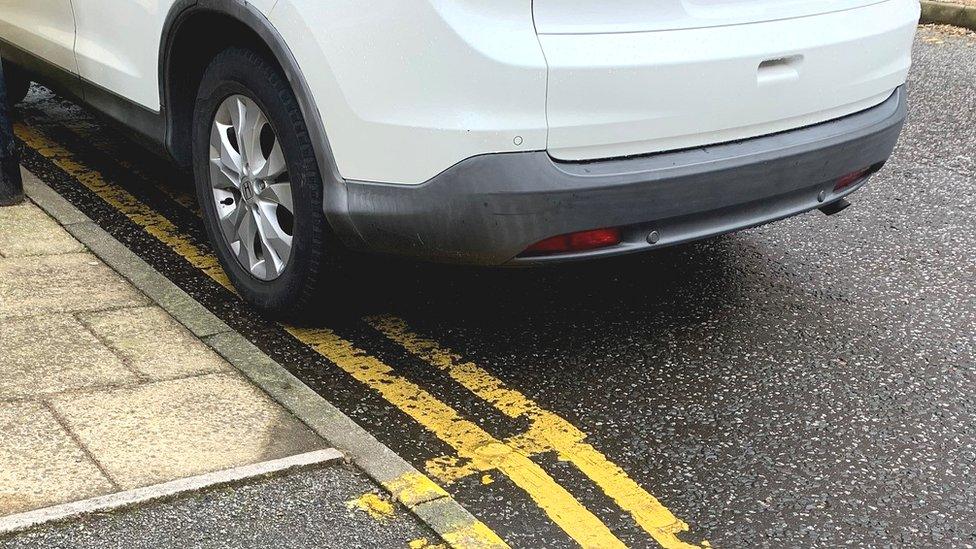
(477,451)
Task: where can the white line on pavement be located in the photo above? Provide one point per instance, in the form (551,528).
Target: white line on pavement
(128,498)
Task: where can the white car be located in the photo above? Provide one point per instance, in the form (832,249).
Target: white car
(492,132)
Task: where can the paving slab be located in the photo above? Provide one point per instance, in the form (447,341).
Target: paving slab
(153,343)
(62,283)
(40,464)
(48,354)
(26,230)
(167,430)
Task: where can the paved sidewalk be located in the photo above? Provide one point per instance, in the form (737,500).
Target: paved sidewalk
(101,391)
(119,392)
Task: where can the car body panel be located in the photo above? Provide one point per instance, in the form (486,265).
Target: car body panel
(595,17)
(46,28)
(443,128)
(488,209)
(124,58)
(629,93)
(406,89)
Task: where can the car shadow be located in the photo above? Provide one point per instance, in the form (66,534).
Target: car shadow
(672,286)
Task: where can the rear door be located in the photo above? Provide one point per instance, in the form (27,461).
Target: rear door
(118,46)
(43,29)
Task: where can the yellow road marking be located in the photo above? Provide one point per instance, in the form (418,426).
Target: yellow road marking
(373,505)
(151,221)
(414,488)
(81,124)
(469,536)
(90,132)
(424,543)
(471,442)
(548,432)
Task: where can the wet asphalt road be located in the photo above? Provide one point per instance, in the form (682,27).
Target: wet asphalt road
(808,383)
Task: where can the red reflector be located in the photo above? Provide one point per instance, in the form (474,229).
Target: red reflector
(850,179)
(575,242)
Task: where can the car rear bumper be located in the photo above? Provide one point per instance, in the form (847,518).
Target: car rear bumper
(488,209)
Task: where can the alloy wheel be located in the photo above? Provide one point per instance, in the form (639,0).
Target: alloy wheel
(251,187)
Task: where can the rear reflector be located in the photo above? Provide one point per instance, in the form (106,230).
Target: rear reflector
(850,179)
(575,242)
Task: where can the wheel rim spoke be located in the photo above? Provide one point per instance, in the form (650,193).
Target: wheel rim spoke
(246,251)
(272,166)
(275,243)
(223,154)
(279,194)
(238,117)
(223,178)
(230,220)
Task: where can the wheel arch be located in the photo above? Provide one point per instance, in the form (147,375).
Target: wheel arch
(185,52)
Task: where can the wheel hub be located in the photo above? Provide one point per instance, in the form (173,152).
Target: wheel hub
(247,191)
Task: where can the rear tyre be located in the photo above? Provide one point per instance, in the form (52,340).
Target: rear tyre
(259,187)
(18,83)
